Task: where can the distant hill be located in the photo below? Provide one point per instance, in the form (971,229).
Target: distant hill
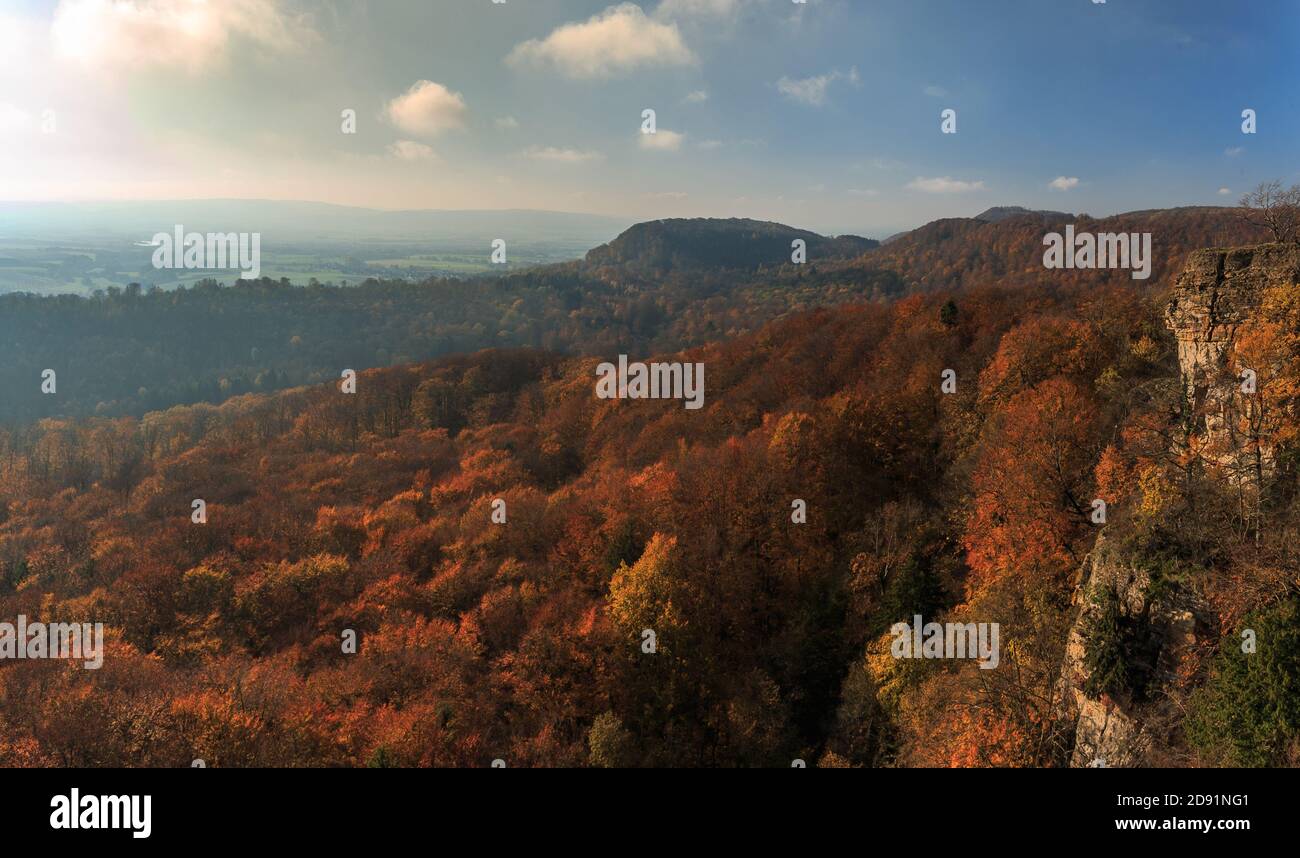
(1000,213)
(1007,249)
(996,214)
(734,243)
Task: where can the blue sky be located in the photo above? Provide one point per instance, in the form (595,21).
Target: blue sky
(824,115)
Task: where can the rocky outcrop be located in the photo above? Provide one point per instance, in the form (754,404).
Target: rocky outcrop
(1163,624)
(1215,296)
(1217,292)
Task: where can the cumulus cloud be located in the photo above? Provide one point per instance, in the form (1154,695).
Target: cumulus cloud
(699,96)
(561,156)
(428,109)
(409,150)
(13,118)
(1064,183)
(1223,192)
(943,185)
(18,38)
(812,90)
(619,39)
(110,35)
(662,140)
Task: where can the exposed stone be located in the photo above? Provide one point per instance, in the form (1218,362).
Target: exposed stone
(1103,733)
(1115,729)
(1217,293)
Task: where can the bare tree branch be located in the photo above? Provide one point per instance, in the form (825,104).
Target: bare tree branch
(1274,208)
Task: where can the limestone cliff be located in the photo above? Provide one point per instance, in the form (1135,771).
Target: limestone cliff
(1216,293)
(1214,297)
(1167,622)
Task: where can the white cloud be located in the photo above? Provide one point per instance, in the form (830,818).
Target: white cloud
(710,144)
(619,39)
(561,156)
(18,37)
(812,90)
(936,92)
(131,34)
(1064,183)
(13,119)
(943,185)
(427,109)
(409,150)
(1223,192)
(662,140)
(698,97)
(1234,151)
(507,123)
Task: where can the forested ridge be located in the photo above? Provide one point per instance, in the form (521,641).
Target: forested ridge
(659,287)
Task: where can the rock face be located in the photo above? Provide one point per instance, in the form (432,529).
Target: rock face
(1167,622)
(1217,293)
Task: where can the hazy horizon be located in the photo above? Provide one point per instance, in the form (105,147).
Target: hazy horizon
(626,219)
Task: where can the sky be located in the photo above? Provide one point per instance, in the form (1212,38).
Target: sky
(824,115)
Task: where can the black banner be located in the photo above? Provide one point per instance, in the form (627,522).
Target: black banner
(338,807)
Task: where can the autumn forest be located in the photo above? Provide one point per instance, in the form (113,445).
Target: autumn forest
(920,428)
